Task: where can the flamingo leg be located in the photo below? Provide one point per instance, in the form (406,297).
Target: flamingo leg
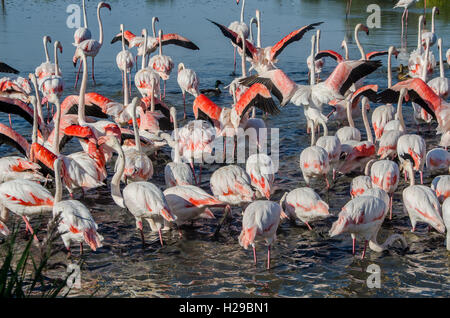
(81,248)
(129,82)
(364,251)
(390,206)
(254,255)
(354,245)
(326,180)
(421,176)
(403,26)
(160,237)
(309,226)
(69,252)
(334,174)
(28,226)
(142,237)
(10,123)
(268,258)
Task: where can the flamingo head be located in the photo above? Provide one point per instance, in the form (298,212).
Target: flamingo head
(363,27)
(237,2)
(104,5)
(181,67)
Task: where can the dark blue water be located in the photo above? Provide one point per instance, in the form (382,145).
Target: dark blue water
(305,263)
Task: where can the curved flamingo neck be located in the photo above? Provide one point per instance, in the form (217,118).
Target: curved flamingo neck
(35,120)
(47,57)
(344,44)
(419,35)
(115,182)
(81,101)
(365,120)
(374,246)
(432,19)
(153,27)
(244,70)
(258,18)
(160,42)
(441,61)
(145,49)
(58,191)
(242,11)
(390,66)
(100,25)
(56,59)
(84,15)
(400,110)
(137,138)
(358,43)
(425,64)
(351,123)
(313,64)
(38,98)
(55,148)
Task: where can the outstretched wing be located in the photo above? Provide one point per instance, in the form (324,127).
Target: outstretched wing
(329,53)
(291,37)
(176,39)
(5,68)
(258,96)
(250,50)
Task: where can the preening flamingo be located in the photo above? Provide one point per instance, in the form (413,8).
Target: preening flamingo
(261,219)
(314,162)
(177,172)
(143,199)
(304,204)
(441,185)
(261,170)
(421,64)
(82,33)
(360,185)
(411,149)
(76,223)
(385,175)
(438,160)
(188,81)
(13,167)
(362,217)
(91,47)
(188,202)
(162,64)
(422,204)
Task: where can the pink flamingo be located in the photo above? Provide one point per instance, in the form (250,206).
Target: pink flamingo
(441,185)
(261,170)
(188,81)
(125,61)
(422,204)
(91,47)
(143,199)
(385,175)
(261,219)
(411,150)
(177,172)
(440,84)
(162,64)
(76,223)
(363,217)
(82,33)
(304,204)
(438,160)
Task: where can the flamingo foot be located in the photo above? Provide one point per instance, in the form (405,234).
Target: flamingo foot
(268,258)
(254,256)
(160,237)
(364,251)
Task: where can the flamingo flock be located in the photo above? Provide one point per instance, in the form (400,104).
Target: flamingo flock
(139,129)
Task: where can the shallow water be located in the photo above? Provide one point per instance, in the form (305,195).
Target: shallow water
(304,263)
